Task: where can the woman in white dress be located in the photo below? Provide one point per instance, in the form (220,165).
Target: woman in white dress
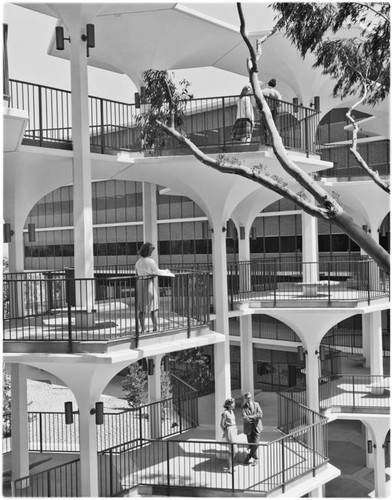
(147,285)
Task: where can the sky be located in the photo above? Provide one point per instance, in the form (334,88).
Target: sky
(29,34)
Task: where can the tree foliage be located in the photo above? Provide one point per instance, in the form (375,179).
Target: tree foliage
(193,367)
(163,101)
(316,28)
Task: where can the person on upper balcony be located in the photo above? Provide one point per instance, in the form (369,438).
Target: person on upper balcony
(243,126)
(273,97)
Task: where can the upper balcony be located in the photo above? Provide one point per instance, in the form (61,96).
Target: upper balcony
(113,125)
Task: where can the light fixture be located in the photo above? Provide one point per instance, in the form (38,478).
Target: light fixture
(301,353)
(60,38)
(166,363)
(98,412)
(137,100)
(143,95)
(242,232)
(230,230)
(253,233)
(89,37)
(68,410)
(295,104)
(317,103)
(7,232)
(365,228)
(31,232)
(370,447)
(321,352)
(150,367)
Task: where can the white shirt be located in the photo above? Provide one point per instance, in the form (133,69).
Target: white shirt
(271,92)
(245,108)
(146,266)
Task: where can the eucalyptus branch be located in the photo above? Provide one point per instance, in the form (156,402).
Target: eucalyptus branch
(369,7)
(354,149)
(171,106)
(252,173)
(245,36)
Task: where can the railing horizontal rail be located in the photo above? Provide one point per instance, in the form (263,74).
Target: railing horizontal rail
(52,306)
(48,432)
(114,125)
(355,392)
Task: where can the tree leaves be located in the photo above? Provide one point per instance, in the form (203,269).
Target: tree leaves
(352,62)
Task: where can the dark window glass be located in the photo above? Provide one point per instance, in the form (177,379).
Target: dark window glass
(339,243)
(272,245)
(324,243)
(287,244)
(164,247)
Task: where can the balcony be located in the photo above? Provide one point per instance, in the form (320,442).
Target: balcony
(54,312)
(113,125)
(285,283)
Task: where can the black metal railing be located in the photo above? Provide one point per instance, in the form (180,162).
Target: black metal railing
(265,280)
(355,392)
(54,307)
(199,464)
(60,481)
(48,432)
(114,126)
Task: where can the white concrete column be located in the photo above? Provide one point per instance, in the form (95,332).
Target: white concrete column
(222,350)
(16,247)
(88,449)
(19,422)
(154,391)
(366,336)
(312,379)
(310,248)
(244,255)
(369,456)
(317,492)
(380,485)
(82,195)
(247,379)
(150,228)
(375,328)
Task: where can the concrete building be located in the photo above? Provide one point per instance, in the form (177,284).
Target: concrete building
(273,296)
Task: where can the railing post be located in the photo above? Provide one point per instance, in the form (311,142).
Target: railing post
(329,283)
(111,473)
(368,281)
(180,412)
(306,134)
(48,485)
(188,305)
(232,466)
(68,297)
(40,433)
(275,280)
(136,312)
(353,384)
(168,464)
(224,124)
(314,445)
(102,128)
(40,125)
(140,426)
(283,468)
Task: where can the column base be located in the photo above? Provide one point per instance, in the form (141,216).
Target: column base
(84,319)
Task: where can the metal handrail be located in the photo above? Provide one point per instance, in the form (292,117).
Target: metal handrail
(208,121)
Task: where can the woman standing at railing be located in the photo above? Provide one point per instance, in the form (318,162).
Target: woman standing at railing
(243,126)
(147,285)
(229,428)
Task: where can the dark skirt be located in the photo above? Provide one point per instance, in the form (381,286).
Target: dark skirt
(242,129)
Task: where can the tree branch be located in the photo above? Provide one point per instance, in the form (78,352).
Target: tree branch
(369,7)
(252,173)
(354,149)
